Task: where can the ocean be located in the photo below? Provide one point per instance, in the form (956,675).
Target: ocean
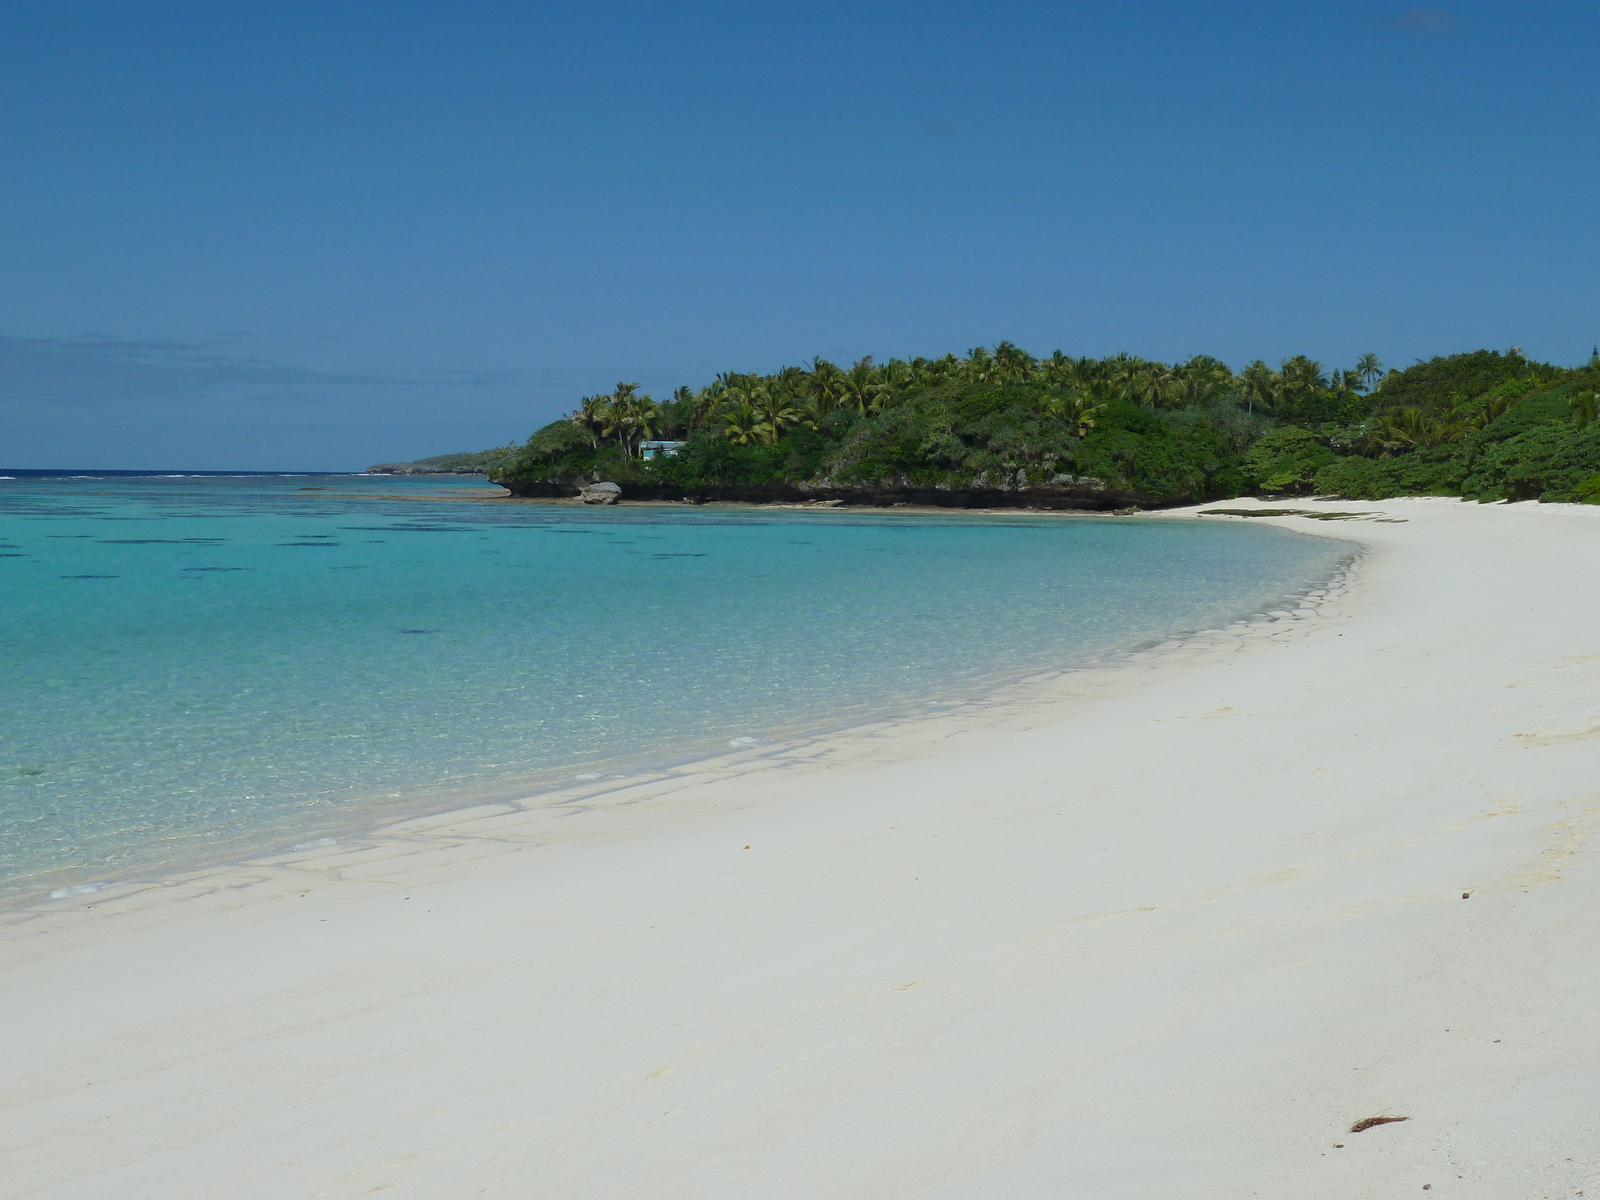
(201,664)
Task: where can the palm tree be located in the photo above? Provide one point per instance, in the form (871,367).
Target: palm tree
(1584,406)
(894,377)
(628,416)
(1150,384)
(1448,428)
(589,417)
(1012,362)
(614,422)
(1080,372)
(776,414)
(1303,374)
(706,402)
(1121,366)
(732,386)
(1077,409)
(1123,371)
(1414,427)
(825,384)
(741,423)
(733,389)
(1055,368)
(1200,380)
(812,413)
(678,419)
(617,422)
(860,386)
(1299,379)
(1342,385)
(1258,384)
(648,419)
(1396,430)
(978,367)
(1370,370)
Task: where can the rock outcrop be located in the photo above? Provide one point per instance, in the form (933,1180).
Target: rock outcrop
(600,493)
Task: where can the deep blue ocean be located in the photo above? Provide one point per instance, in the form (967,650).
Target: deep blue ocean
(195,664)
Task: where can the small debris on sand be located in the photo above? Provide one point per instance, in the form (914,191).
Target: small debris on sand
(1369,1122)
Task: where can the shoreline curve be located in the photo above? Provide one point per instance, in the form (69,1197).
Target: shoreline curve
(1175,926)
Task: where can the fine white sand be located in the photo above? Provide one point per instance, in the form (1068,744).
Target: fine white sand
(1163,929)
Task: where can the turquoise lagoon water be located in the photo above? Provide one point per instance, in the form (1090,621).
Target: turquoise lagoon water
(193,664)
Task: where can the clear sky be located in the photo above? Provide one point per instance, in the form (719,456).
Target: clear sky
(318,236)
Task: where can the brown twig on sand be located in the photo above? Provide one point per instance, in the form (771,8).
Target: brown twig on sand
(1371,1121)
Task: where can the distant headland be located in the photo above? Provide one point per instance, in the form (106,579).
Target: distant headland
(465,463)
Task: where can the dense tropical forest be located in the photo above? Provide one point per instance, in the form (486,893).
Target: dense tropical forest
(1487,425)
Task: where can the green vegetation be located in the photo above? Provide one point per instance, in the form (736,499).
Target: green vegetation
(1488,425)
(480,463)
(465,463)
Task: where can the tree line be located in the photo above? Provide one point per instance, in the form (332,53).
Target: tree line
(750,408)
(999,417)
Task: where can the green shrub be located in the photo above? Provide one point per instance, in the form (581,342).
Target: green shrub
(1587,491)
(708,459)
(1549,462)
(1352,478)
(1176,455)
(1286,460)
(1541,409)
(558,449)
(1435,472)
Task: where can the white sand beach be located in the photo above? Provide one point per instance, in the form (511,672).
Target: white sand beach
(1166,928)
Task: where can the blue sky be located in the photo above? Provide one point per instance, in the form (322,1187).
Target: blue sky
(320,236)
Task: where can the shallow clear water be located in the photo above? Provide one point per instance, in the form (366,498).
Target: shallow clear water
(191,663)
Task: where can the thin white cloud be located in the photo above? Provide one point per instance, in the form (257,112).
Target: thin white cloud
(50,372)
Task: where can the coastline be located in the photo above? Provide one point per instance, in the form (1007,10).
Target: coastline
(1169,925)
(180,850)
